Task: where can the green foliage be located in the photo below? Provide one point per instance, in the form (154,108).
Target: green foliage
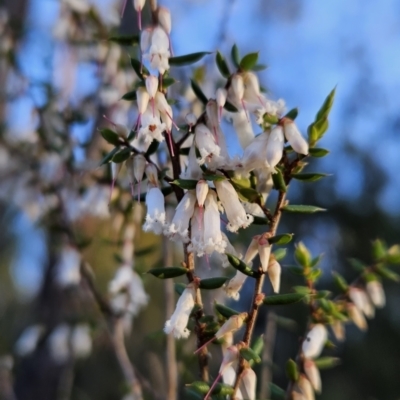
(167,272)
(284,299)
(187,59)
(238,264)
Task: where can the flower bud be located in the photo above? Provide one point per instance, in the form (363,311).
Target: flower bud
(233,286)
(376,293)
(294,137)
(313,375)
(155,217)
(142,99)
(139,165)
(152,174)
(359,297)
(237,86)
(190,120)
(248,384)
(212,114)
(221,96)
(315,341)
(252,250)
(201,192)
(274,274)
(338,330)
(145,40)
(305,387)
(264,250)
(138,6)
(275,146)
(231,325)
(357,317)
(152,86)
(164,19)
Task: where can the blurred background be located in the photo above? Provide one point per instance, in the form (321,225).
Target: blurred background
(54,78)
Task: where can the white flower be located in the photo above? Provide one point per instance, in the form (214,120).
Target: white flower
(59,343)
(81,341)
(179,227)
(139,165)
(206,144)
(243,128)
(315,341)
(197,230)
(145,39)
(221,95)
(274,274)
(376,293)
(248,384)
(27,342)
(179,319)
(68,267)
(275,146)
(255,154)
(152,174)
(264,251)
(276,108)
(233,286)
(164,19)
(294,137)
(159,50)
(233,208)
(338,330)
(190,120)
(357,316)
(213,239)
(201,192)
(142,100)
(151,87)
(304,386)
(138,6)
(313,375)
(361,300)
(251,88)
(151,127)
(193,170)
(155,217)
(236,90)
(252,250)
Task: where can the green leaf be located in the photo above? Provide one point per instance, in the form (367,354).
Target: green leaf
(326,106)
(322,294)
(247,194)
(379,249)
(139,68)
(199,386)
(302,290)
(316,131)
(292,114)
(125,40)
(259,67)
(250,355)
(240,265)
(185,183)
(108,157)
(318,152)
(279,181)
(260,220)
(167,82)
(258,345)
(357,264)
(153,147)
(214,177)
(291,370)
(167,272)
(130,96)
(122,155)
(222,65)
(285,238)
(212,283)
(314,274)
(230,107)
(145,251)
(225,311)
(277,391)
(302,209)
(388,274)
(198,92)
(296,270)
(309,177)
(283,299)
(187,59)
(248,61)
(222,390)
(340,282)
(302,255)
(235,56)
(327,362)
(184,151)
(315,261)
(393,255)
(280,254)
(110,136)
(179,287)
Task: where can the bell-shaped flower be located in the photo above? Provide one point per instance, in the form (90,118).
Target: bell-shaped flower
(81,341)
(234,210)
(159,53)
(58,343)
(190,120)
(264,251)
(142,99)
(251,88)
(179,227)
(248,384)
(339,330)
(193,170)
(152,174)
(177,324)
(197,233)
(115,169)
(275,146)
(221,96)
(236,91)
(145,39)
(164,19)
(313,375)
(151,127)
(376,293)
(294,137)
(315,341)
(201,192)
(234,285)
(255,154)
(213,239)
(151,87)
(361,300)
(252,250)
(357,316)
(206,144)
(138,6)
(213,125)
(155,217)
(274,274)
(303,385)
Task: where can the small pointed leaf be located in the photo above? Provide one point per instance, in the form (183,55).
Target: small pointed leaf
(285,238)
(291,370)
(110,136)
(198,92)
(283,299)
(122,155)
(225,311)
(250,355)
(327,362)
(248,61)
(279,181)
(212,283)
(309,177)
(125,40)
(240,265)
(167,272)
(318,152)
(185,183)
(302,209)
(222,65)
(187,59)
(108,157)
(139,68)
(235,55)
(130,96)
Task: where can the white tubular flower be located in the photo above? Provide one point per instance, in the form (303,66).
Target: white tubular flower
(360,298)
(339,331)
(234,285)
(313,375)
(357,317)
(142,99)
(264,181)
(59,343)
(68,267)
(237,90)
(213,239)
(315,341)
(151,127)
(376,293)
(81,341)
(252,250)
(251,88)
(274,274)
(145,39)
(305,387)
(179,319)
(264,250)
(229,376)
(294,137)
(179,227)
(221,96)
(138,6)
(275,146)
(243,128)
(159,50)
(197,230)
(139,165)
(27,342)
(255,154)
(234,210)
(152,174)
(248,384)
(231,325)
(151,87)
(193,170)
(206,144)
(164,19)
(155,217)
(201,192)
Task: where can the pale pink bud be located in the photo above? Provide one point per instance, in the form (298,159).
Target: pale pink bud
(315,341)
(360,298)
(294,137)
(138,6)
(229,376)
(234,285)
(264,251)
(274,274)
(221,96)
(231,325)
(152,86)
(275,146)
(357,317)
(234,210)
(139,165)
(252,87)
(179,319)
(115,168)
(145,40)
(251,251)
(255,154)
(205,143)
(313,375)
(376,293)
(201,192)
(248,384)
(213,239)
(338,330)
(152,174)
(142,99)
(306,388)
(155,217)
(164,19)
(190,120)
(237,86)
